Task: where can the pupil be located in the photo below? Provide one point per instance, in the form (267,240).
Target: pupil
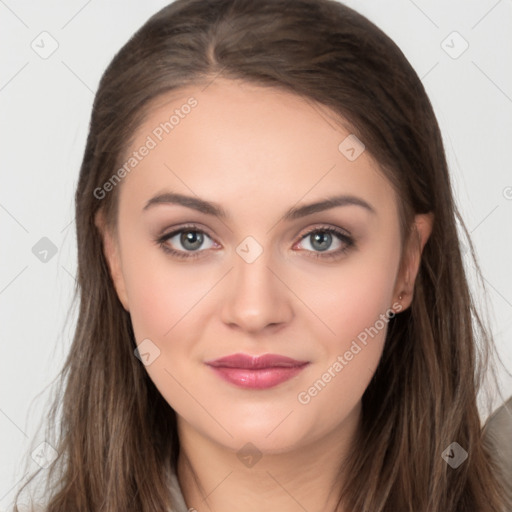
(324,240)
(191,240)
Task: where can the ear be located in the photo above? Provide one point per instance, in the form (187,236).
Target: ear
(404,286)
(112,255)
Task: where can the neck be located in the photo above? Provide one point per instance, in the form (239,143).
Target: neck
(308,477)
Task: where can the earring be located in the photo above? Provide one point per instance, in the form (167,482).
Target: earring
(399,297)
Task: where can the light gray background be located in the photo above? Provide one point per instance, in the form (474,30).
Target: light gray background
(45,107)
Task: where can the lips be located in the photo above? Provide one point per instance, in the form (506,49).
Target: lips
(256,372)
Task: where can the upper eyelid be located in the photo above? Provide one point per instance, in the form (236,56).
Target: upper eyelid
(334,229)
(173,232)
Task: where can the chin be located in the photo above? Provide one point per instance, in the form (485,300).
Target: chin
(269,437)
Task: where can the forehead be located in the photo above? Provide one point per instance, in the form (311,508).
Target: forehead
(235,140)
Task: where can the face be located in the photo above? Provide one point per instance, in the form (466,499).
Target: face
(220,251)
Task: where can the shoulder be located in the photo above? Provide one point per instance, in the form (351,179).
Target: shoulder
(497,435)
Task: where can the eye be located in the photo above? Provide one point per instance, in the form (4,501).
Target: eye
(186,242)
(320,240)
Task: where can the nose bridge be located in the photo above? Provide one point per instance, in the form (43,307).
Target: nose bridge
(256,298)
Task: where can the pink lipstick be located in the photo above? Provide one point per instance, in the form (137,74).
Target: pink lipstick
(256,372)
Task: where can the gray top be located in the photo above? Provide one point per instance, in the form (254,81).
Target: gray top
(181,506)
(497,434)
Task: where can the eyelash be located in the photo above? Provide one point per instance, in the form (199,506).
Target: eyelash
(190,255)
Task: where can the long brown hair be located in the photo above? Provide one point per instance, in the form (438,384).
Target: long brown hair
(117,439)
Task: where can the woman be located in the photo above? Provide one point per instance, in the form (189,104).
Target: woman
(274,312)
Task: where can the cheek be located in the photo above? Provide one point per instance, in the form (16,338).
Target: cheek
(353,304)
(162,295)
(349,298)
(156,306)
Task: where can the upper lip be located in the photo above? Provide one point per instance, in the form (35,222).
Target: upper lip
(256,362)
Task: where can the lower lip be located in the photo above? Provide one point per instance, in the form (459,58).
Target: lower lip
(262,378)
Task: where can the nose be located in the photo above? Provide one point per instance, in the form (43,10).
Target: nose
(258,298)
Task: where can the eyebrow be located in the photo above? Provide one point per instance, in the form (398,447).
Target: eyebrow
(210,208)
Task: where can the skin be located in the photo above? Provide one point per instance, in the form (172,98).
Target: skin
(258,152)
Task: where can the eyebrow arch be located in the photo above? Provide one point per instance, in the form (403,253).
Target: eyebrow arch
(210,208)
